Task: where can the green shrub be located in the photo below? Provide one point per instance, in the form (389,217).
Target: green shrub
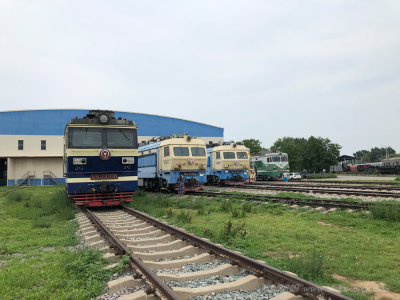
(308,266)
(397,178)
(321,176)
(385,210)
(184,217)
(226,205)
(230,232)
(18,196)
(41,222)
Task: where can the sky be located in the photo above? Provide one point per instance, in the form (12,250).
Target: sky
(260,69)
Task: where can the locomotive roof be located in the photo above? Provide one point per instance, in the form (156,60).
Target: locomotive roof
(227,148)
(175,140)
(94,118)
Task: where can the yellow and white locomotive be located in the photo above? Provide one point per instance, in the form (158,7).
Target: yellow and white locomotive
(227,163)
(100,159)
(162,160)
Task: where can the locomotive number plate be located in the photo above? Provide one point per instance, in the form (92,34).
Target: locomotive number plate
(103,176)
(189,173)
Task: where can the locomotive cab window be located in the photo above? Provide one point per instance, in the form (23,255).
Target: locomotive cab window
(229,155)
(218,155)
(284,158)
(86,138)
(181,151)
(242,155)
(276,158)
(120,139)
(166,151)
(198,151)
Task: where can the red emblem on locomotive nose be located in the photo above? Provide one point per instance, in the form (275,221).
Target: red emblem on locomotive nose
(105,154)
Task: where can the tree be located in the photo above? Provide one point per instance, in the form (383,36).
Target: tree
(375,154)
(313,154)
(253,145)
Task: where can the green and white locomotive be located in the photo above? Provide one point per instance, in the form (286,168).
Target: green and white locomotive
(270,165)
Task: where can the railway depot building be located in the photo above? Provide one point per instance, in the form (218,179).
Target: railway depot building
(31,141)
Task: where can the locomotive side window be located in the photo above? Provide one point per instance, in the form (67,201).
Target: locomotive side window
(181,151)
(120,139)
(242,155)
(198,151)
(166,151)
(218,155)
(229,155)
(86,138)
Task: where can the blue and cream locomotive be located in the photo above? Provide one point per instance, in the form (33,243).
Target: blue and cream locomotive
(100,159)
(162,160)
(227,163)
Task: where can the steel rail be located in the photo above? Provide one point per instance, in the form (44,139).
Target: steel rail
(309,201)
(351,193)
(164,289)
(349,182)
(309,184)
(295,284)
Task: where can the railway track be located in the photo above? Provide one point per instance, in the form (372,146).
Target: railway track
(332,186)
(341,182)
(319,189)
(169,263)
(312,202)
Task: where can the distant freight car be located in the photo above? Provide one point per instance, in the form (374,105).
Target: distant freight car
(100,159)
(390,166)
(162,160)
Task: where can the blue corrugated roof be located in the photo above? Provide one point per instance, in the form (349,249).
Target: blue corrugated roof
(52,122)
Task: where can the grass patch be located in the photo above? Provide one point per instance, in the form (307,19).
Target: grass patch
(39,249)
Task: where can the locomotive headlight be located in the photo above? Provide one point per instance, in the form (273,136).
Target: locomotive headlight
(128,160)
(103,119)
(79,161)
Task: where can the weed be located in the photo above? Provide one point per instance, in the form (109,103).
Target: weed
(208,233)
(18,196)
(170,213)
(226,205)
(41,222)
(247,207)
(308,266)
(184,217)
(397,178)
(201,212)
(385,210)
(229,231)
(235,213)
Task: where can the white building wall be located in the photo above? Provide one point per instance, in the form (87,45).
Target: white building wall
(17,167)
(32,146)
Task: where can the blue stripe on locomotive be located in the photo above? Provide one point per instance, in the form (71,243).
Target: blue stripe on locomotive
(148,167)
(86,187)
(100,166)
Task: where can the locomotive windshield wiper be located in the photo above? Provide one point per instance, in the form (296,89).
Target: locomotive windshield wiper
(124,134)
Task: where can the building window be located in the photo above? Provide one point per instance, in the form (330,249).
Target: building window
(20,145)
(43,145)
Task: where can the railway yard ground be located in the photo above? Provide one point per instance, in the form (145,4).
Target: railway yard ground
(42,255)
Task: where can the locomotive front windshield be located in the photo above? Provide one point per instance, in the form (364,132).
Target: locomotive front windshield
(102,137)
(229,155)
(87,138)
(181,151)
(120,139)
(279,158)
(198,151)
(242,155)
